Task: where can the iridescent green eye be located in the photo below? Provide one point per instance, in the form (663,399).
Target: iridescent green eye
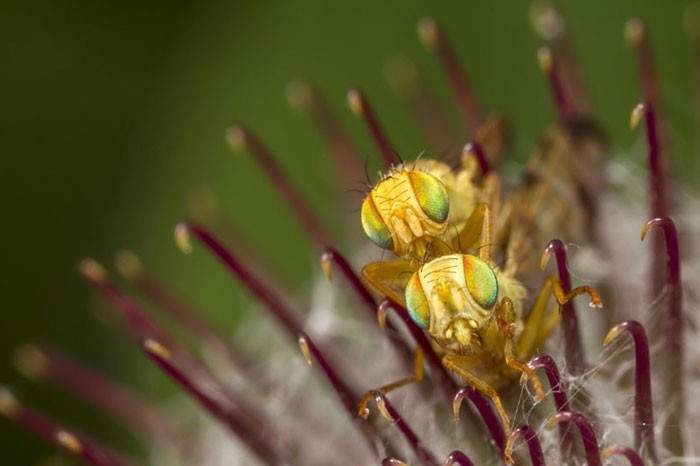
(374,225)
(431,195)
(481,281)
(417,303)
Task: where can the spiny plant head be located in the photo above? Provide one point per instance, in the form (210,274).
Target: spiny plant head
(269,413)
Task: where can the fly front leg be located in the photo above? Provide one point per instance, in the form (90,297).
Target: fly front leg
(491,195)
(459,365)
(389,278)
(417,376)
(505,318)
(563,297)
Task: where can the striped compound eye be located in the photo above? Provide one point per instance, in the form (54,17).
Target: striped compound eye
(431,195)
(416,302)
(374,226)
(481,281)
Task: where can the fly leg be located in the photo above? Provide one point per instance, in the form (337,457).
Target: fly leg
(389,278)
(505,318)
(476,232)
(455,363)
(417,376)
(563,298)
(539,324)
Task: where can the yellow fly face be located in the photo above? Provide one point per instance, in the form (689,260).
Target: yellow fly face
(405,211)
(452,297)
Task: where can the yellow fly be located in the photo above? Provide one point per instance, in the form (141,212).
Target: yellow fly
(444,225)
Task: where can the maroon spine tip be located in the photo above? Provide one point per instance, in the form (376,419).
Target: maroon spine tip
(545,361)
(393,462)
(56,433)
(241,138)
(590,442)
(657,189)
(457,458)
(488,415)
(573,345)
(438,372)
(186,316)
(404,77)
(288,318)
(475,149)
(549,65)
(329,257)
(214,400)
(673,376)
(637,36)
(618,450)
(40,361)
(533,444)
(360,107)
(643,404)
(138,320)
(673,284)
(433,38)
(424,456)
(347,397)
(551,26)
(673,261)
(306,98)
(561,398)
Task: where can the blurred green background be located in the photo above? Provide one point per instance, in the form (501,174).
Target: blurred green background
(114,110)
